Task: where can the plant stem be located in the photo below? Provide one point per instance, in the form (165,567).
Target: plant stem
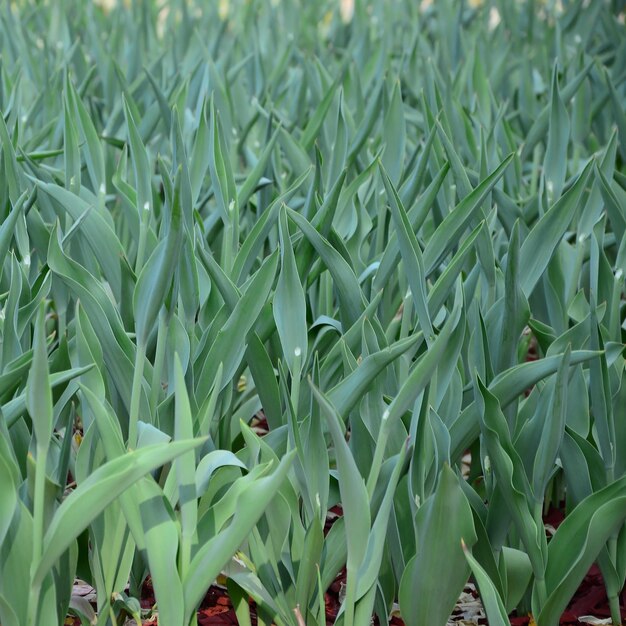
(349,600)
(539,570)
(141,245)
(295,381)
(379,453)
(33,604)
(159,358)
(38,524)
(542,594)
(616,615)
(135,397)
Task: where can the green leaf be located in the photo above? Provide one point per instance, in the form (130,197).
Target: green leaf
(220,168)
(91,497)
(494,608)
(394,134)
(555,161)
(141,164)
(411,256)
(424,369)
(507,386)
(347,393)
(185,466)
(311,130)
(213,555)
(351,485)
(351,300)
(8,226)
(95,227)
(157,275)
(538,248)
(354,499)
(92,147)
(518,570)
(577,543)
(149,518)
(38,388)
(553,431)
(453,225)
(309,563)
(441,523)
(230,343)
(416,215)
(369,570)
(8,494)
(289,305)
(509,472)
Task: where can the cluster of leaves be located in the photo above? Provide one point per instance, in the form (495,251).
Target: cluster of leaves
(354,227)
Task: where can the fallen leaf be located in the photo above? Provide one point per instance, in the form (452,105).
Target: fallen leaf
(590,619)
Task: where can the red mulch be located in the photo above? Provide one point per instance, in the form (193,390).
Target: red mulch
(590,599)
(217,610)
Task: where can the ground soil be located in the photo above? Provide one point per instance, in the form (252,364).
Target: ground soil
(589,600)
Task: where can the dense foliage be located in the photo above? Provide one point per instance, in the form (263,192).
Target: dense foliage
(259,259)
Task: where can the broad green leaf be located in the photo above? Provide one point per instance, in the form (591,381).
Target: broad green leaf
(8,495)
(394,136)
(97,230)
(230,342)
(220,168)
(509,472)
(8,226)
(141,164)
(185,466)
(92,147)
(38,388)
(553,432)
(354,500)
(199,157)
(370,567)
(507,386)
(494,607)
(416,215)
(411,256)
(577,543)
(601,401)
(213,556)
(156,279)
(555,160)
(247,189)
(537,131)
(538,248)
(346,394)
(97,491)
(351,485)
(309,563)
(348,291)
(424,369)
(518,571)
(449,231)
(289,305)
(148,516)
(317,119)
(11,168)
(442,522)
